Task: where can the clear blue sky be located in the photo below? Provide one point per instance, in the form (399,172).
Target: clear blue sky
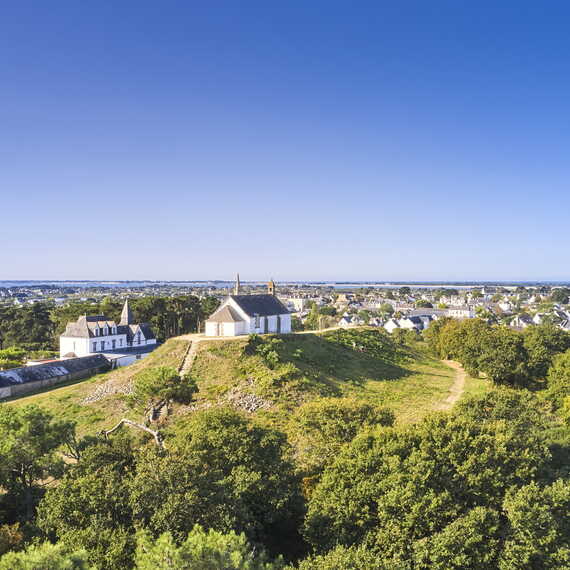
(296,139)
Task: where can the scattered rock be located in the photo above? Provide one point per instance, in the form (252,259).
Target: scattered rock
(106,389)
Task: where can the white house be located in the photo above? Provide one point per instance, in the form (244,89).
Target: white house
(345,321)
(247,314)
(122,343)
(391,325)
(522,321)
(464,312)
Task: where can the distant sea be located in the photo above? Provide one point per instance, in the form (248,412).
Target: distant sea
(226,284)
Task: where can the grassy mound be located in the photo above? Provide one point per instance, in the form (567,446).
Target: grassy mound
(271,376)
(277,374)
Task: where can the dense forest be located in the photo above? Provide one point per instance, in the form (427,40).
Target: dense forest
(341,486)
(35,328)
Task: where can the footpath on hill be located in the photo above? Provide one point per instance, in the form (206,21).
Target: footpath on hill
(457,388)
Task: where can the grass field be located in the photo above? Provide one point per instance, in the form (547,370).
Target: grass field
(361,363)
(407,380)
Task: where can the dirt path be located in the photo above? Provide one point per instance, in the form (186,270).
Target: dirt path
(456,389)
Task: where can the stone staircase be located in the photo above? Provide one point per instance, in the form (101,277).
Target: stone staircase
(188,361)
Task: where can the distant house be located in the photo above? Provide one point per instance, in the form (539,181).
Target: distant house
(522,321)
(246,314)
(391,325)
(506,306)
(538,319)
(345,321)
(97,334)
(411,323)
(462,312)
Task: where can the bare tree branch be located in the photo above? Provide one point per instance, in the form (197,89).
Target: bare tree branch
(156,434)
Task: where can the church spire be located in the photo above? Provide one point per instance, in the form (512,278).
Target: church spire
(271,287)
(237,285)
(126,315)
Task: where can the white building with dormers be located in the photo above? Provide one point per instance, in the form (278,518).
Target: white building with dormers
(123,343)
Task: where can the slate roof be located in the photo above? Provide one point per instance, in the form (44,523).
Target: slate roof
(84,326)
(225,315)
(27,374)
(262,305)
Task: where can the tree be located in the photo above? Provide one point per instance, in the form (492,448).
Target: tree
(404,291)
(503,357)
(386,309)
(155,388)
(558,380)
(423,303)
(90,508)
(206,550)
(328,311)
(324,425)
(296,324)
(29,438)
(542,343)
(470,541)
(560,295)
(45,556)
(221,473)
(208,306)
(538,533)
(395,488)
(341,557)
(11,537)
(364,315)
(312,322)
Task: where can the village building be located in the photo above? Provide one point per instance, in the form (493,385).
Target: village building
(121,343)
(246,314)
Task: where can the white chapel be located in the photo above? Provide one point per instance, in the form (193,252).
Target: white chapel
(246,314)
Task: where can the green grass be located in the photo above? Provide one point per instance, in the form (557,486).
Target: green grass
(476,387)
(363,363)
(67,401)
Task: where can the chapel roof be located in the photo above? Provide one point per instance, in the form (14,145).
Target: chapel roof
(225,315)
(262,305)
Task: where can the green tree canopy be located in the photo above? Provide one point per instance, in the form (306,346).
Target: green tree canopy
(323,426)
(203,550)
(45,556)
(154,388)
(393,489)
(90,508)
(222,473)
(29,438)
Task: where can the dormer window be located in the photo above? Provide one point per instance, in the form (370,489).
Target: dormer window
(96,331)
(106,330)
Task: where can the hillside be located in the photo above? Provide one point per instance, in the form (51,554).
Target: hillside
(362,363)
(98,402)
(272,376)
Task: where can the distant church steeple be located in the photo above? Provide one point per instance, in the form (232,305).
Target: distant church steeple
(126,315)
(271,287)
(237,285)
